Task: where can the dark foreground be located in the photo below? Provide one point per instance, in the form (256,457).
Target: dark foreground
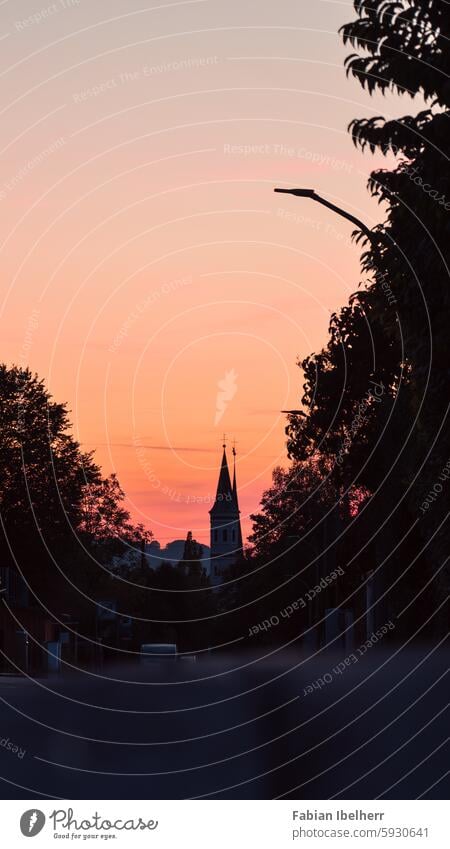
(235,727)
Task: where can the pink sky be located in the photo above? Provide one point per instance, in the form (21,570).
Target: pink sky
(144,253)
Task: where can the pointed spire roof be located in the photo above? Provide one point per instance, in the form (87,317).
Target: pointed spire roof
(235,495)
(225,496)
(224,487)
(236,502)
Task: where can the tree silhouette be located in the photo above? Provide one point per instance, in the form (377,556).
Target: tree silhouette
(406,47)
(59,516)
(374,425)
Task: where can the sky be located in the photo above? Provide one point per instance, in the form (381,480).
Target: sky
(149,272)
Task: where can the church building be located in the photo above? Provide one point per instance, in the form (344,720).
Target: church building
(226,534)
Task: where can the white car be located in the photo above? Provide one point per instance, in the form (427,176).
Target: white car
(151,652)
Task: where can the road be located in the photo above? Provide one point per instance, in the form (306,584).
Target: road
(232,727)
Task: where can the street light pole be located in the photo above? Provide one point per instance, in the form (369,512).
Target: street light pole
(310,193)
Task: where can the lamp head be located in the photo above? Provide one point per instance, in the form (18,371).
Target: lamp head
(300,193)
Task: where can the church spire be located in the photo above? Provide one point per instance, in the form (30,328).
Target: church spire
(224,492)
(235,495)
(226,534)
(236,502)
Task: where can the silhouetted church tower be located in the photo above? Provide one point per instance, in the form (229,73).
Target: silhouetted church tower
(226,534)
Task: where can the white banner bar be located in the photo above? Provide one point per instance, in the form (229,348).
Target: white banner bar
(224,824)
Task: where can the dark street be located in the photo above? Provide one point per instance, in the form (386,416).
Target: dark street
(239,727)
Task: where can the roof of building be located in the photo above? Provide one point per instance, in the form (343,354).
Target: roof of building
(226,496)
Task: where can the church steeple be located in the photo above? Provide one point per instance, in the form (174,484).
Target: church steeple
(226,535)
(236,502)
(235,495)
(224,489)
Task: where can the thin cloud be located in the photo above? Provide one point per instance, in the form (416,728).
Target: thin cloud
(153,447)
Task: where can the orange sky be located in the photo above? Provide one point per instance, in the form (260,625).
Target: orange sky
(144,254)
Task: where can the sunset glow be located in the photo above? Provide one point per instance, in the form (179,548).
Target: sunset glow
(145,256)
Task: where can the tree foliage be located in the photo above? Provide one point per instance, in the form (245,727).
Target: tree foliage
(374,425)
(60,519)
(405,46)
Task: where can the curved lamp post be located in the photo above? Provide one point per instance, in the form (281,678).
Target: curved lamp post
(310,193)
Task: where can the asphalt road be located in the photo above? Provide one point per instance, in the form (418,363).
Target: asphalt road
(243,726)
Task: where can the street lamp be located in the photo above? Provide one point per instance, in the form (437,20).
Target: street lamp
(310,193)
